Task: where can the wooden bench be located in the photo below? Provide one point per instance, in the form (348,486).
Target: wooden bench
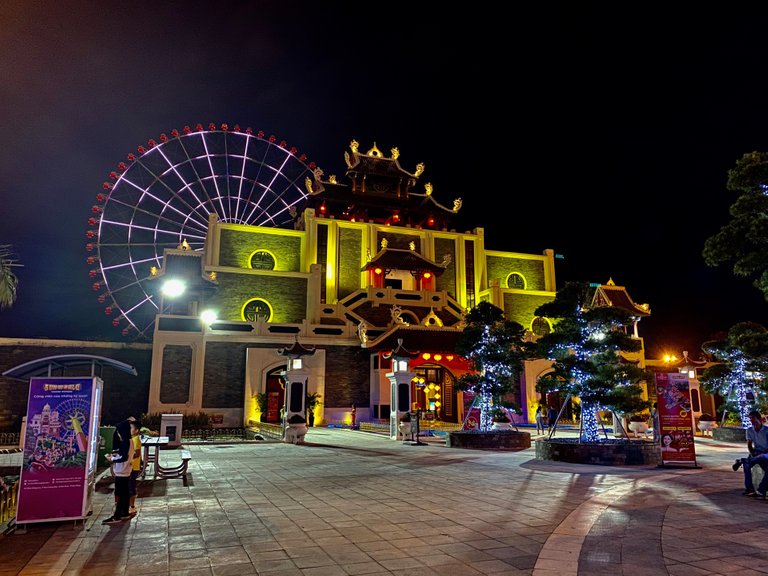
(178,471)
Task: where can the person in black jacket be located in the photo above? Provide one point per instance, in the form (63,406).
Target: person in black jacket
(122,463)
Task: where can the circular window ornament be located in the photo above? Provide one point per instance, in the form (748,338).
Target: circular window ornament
(255,308)
(516,281)
(262,260)
(541,326)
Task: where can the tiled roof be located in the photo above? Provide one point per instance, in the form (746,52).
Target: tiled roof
(417,339)
(398,259)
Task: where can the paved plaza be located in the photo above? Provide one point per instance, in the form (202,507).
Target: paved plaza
(356,503)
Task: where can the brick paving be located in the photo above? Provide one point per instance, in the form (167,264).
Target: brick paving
(357,503)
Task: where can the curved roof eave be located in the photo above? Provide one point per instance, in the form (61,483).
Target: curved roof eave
(42,366)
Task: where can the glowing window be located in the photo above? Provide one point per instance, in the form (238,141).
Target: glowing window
(516,281)
(540,326)
(255,308)
(262,260)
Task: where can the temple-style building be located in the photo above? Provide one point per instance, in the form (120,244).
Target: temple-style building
(370,264)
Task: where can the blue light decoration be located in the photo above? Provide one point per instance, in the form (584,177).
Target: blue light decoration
(743,357)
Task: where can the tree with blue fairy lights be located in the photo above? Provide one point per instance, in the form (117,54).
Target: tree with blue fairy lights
(743,360)
(586,346)
(495,349)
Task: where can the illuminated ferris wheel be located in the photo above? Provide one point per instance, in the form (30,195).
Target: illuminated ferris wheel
(163,195)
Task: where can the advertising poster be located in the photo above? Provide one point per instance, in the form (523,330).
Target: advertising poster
(57,449)
(675,419)
(472,417)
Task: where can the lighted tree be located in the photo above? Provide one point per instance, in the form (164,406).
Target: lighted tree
(496,350)
(743,357)
(743,239)
(8,280)
(585,347)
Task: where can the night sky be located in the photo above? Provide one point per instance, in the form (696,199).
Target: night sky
(604,134)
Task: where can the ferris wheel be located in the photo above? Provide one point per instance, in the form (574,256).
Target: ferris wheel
(162,196)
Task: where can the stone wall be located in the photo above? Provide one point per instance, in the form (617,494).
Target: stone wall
(124,394)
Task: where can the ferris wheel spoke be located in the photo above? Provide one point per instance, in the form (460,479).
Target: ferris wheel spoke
(190,161)
(135,208)
(166,195)
(174,194)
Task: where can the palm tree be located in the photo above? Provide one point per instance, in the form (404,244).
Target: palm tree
(8,280)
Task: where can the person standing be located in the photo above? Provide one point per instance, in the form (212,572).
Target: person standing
(757,445)
(655,422)
(136,465)
(122,464)
(551,419)
(539,419)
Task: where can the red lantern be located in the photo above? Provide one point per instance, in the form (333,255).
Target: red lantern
(303,157)
(113,175)
(116,322)
(237,128)
(89,247)
(312,165)
(225,127)
(272,138)
(294,150)
(187,130)
(198,127)
(260,133)
(163,137)
(131,156)
(102,298)
(125,331)
(121,166)
(96,286)
(106,186)
(100,197)
(108,310)
(249,130)
(151,143)
(93,273)
(175,133)
(90,260)
(90,234)
(211,126)
(141,149)
(283,144)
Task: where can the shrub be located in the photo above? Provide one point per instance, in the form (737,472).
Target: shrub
(500,415)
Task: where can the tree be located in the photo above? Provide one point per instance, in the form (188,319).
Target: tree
(744,360)
(496,350)
(585,348)
(742,240)
(8,280)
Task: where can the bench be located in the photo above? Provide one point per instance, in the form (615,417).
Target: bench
(178,471)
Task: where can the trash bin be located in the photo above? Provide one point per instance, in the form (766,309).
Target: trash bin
(105,446)
(170,425)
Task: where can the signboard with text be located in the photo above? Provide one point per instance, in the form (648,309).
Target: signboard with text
(676,431)
(60,448)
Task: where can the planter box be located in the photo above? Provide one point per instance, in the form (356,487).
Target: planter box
(492,440)
(611,452)
(730,434)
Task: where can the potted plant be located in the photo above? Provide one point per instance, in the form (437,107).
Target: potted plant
(706,423)
(311,402)
(638,423)
(262,403)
